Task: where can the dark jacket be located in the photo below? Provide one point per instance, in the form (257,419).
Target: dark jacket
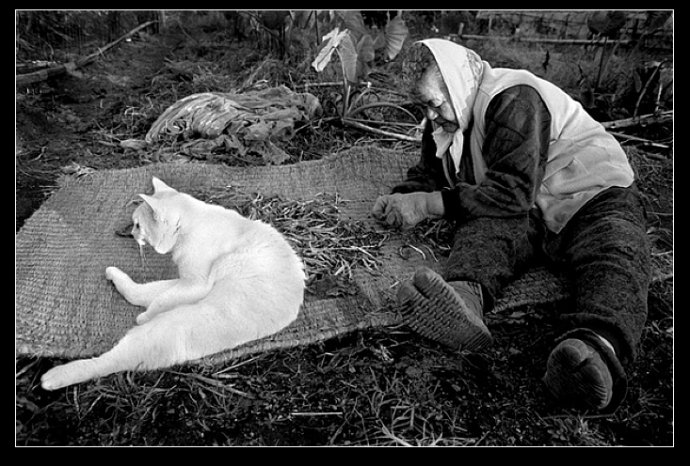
(515,151)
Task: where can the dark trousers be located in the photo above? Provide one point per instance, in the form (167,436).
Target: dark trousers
(603,250)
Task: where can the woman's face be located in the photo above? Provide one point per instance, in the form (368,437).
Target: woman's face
(433,93)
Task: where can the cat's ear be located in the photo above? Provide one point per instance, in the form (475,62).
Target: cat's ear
(152,202)
(159,186)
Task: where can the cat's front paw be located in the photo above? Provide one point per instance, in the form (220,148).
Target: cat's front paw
(113,273)
(143,318)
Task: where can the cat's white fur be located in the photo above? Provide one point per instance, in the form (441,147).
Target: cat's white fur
(239,281)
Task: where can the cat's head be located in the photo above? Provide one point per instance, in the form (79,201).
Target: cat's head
(157,219)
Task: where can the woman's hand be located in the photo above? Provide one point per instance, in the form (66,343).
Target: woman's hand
(406,210)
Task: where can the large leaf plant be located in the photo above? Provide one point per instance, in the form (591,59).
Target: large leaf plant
(357,47)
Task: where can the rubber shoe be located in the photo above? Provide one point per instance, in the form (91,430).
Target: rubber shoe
(577,376)
(432,308)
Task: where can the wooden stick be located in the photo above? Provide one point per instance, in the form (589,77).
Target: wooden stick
(616,124)
(383,123)
(636,139)
(624,43)
(99,52)
(402,137)
(540,40)
(42,75)
(639,120)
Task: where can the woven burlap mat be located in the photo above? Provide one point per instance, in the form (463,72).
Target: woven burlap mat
(66,308)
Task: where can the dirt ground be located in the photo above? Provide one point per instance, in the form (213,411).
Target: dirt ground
(389,386)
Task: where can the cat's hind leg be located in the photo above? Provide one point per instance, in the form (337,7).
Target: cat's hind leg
(150,346)
(181,334)
(70,373)
(139,294)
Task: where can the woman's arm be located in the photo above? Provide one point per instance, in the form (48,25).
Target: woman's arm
(515,151)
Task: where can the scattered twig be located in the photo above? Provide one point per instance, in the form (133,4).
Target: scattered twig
(236,365)
(368,84)
(482,438)
(538,40)
(375,122)
(639,120)
(402,137)
(404,256)
(648,142)
(387,434)
(42,75)
(40,154)
(216,383)
(316,414)
(307,85)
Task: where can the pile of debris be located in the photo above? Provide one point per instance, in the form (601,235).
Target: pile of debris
(256,121)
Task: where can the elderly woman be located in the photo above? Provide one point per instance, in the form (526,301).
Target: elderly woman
(523,171)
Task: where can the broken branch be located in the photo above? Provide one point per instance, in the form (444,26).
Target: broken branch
(648,142)
(42,75)
(597,43)
(381,132)
(639,120)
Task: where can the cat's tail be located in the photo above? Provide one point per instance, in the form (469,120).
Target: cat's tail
(181,334)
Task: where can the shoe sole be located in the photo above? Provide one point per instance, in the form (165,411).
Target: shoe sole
(576,375)
(432,308)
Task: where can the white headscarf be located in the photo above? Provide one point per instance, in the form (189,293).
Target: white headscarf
(462,70)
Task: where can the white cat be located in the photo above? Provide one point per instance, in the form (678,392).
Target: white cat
(239,281)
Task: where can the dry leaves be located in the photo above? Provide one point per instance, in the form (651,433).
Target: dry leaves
(252,122)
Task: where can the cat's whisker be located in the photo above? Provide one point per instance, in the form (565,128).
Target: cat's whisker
(142,256)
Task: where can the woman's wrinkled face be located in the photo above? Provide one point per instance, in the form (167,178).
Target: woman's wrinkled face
(433,93)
